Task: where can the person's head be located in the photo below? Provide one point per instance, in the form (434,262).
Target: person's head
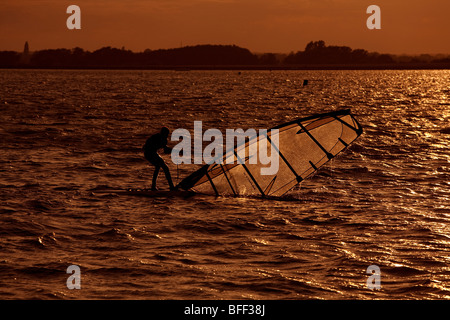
(165,131)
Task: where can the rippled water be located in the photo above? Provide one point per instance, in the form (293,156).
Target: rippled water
(384,201)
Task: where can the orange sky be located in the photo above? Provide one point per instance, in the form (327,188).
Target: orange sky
(408,26)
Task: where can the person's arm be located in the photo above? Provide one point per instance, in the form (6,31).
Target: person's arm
(167,150)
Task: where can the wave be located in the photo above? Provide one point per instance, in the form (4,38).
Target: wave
(383,202)
(43,205)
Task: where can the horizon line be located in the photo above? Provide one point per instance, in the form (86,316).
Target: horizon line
(226,45)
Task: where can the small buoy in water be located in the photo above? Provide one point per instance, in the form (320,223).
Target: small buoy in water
(305,82)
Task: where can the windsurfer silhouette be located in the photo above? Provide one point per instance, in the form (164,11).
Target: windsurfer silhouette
(151,147)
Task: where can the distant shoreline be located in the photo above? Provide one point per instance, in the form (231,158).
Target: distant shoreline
(316,56)
(405,66)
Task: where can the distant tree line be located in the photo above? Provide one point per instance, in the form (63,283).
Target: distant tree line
(316,53)
(114,57)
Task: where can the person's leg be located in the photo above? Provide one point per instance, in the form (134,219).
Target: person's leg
(168,177)
(155,161)
(155,177)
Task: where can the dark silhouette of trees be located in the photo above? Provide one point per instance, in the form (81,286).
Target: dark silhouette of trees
(205,55)
(316,52)
(268,59)
(9,59)
(52,58)
(200,55)
(108,56)
(79,56)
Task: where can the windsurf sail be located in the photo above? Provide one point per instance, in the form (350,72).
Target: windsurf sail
(304,145)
